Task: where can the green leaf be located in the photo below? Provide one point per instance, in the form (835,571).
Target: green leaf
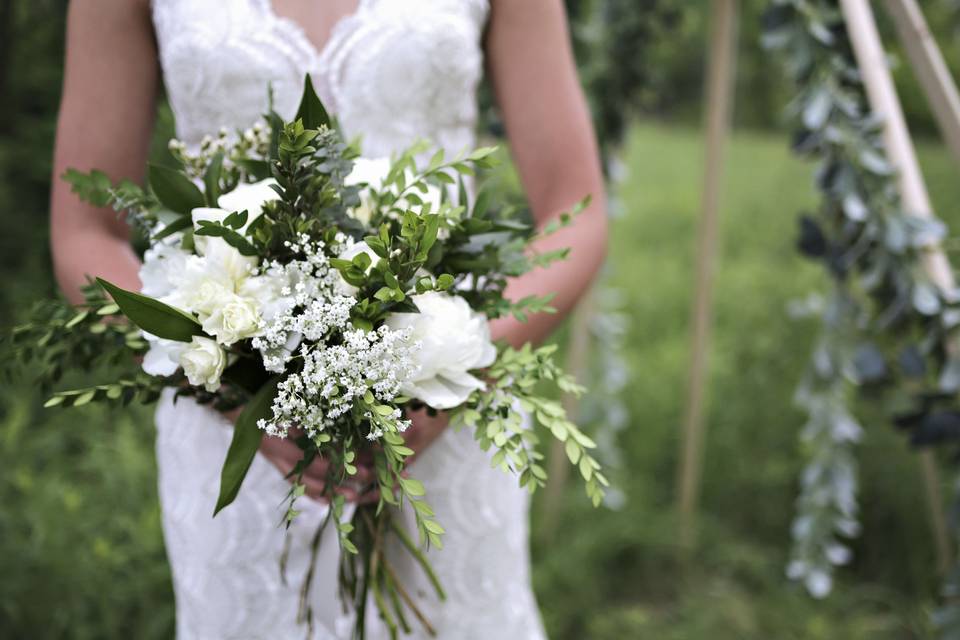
(445,281)
(85,398)
(311,112)
(53,402)
(174,190)
(245,443)
(412,487)
(235,239)
(93,187)
(181,223)
(152,315)
(433,527)
(481,153)
(211,179)
(236,220)
(482,204)
(259,169)
(77,319)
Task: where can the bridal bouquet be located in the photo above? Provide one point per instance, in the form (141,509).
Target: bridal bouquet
(326,294)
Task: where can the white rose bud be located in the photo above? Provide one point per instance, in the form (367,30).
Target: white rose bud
(454,339)
(203,362)
(234,319)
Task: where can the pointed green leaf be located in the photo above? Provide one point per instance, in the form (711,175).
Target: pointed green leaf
(174,190)
(211,179)
(181,223)
(231,237)
(259,169)
(245,443)
(311,112)
(54,401)
(152,315)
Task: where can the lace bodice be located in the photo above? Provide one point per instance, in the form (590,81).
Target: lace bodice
(393,72)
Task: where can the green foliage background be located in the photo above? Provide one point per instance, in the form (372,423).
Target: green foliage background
(81,552)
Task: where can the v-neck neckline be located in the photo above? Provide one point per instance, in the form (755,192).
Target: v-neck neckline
(318,51)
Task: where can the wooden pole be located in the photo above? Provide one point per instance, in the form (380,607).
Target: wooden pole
(558,471)
(872,61)
(719,106)
(927,62)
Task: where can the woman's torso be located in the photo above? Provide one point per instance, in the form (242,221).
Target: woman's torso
(393,71)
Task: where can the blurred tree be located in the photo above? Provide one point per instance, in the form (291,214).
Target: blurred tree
(31,61)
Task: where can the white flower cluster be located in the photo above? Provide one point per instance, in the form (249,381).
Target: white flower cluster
(335,376)
(339,363)
(250,143)
(311,304)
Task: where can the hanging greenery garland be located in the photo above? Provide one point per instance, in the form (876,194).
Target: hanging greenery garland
(883,322)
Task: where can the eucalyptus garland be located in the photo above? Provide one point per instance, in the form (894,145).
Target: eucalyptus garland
(884,324)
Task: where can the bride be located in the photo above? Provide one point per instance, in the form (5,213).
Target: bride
(392,71)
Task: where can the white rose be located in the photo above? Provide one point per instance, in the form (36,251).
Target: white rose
(343,287)
(163,357)
(203,361)
(162,265)
(220,263)
(454,339)
(233,318)
(205,295)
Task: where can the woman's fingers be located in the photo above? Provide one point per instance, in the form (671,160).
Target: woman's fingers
(285,454)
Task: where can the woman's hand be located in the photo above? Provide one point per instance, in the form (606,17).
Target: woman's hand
(284,454)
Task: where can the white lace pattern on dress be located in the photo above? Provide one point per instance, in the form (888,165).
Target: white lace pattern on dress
(393,72)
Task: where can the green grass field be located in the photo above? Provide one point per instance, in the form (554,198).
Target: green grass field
(80,539)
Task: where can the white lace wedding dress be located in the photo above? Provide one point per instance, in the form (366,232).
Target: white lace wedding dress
(393,71)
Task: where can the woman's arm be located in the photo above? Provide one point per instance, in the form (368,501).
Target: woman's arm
(106,119)
(531,65)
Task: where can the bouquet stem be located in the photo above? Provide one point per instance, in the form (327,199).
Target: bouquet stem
(378,577)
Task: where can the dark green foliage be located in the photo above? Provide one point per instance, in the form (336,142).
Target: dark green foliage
(152,315)
(244,444)
(57,338)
